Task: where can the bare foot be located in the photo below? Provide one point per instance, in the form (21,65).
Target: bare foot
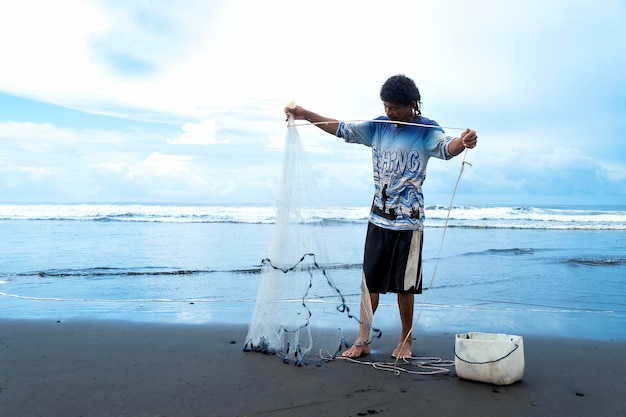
(357,350)
(403,351)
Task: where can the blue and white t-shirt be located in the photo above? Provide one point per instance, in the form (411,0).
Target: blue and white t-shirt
(400,154)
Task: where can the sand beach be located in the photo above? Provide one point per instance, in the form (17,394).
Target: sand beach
(113,368)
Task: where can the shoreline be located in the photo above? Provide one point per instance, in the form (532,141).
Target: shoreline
(115,368)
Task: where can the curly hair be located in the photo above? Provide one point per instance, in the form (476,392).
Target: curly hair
(400,89)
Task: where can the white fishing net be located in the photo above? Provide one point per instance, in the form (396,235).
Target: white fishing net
(309,291)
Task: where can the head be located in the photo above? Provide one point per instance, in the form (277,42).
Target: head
(401,98)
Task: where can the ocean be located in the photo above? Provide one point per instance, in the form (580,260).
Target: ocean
(518,270)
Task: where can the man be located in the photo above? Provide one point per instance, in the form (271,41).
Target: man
(402,142)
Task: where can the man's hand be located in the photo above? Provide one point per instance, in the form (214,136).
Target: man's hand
(297,112)
(469,138)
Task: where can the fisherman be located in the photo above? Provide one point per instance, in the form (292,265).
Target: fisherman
(402,143)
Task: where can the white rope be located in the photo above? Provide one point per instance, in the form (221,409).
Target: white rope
(376,121)
(430,365)
(443,236)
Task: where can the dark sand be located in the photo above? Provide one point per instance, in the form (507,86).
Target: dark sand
(146,370)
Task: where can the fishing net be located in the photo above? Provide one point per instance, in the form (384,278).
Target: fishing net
(309,292)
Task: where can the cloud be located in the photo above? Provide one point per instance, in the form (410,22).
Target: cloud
(202,133)
(163,58)
(167,164)
(276,142)
(542,82)
(558,172)
(111,167)
(26,131)
(615,173)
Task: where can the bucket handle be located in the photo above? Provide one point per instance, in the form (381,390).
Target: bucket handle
(482,363)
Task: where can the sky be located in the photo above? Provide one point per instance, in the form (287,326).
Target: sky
(182,102)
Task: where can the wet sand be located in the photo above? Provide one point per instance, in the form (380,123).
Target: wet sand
(99,368)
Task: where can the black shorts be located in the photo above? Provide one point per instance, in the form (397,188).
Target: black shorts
(393,260)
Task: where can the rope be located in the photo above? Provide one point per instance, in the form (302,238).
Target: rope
(291,123)
(342,307)
(425,365)
(486,362)
(443,236)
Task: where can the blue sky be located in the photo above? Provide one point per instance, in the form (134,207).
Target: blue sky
(181,102)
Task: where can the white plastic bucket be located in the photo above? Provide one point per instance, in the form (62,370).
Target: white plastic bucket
(489,357)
